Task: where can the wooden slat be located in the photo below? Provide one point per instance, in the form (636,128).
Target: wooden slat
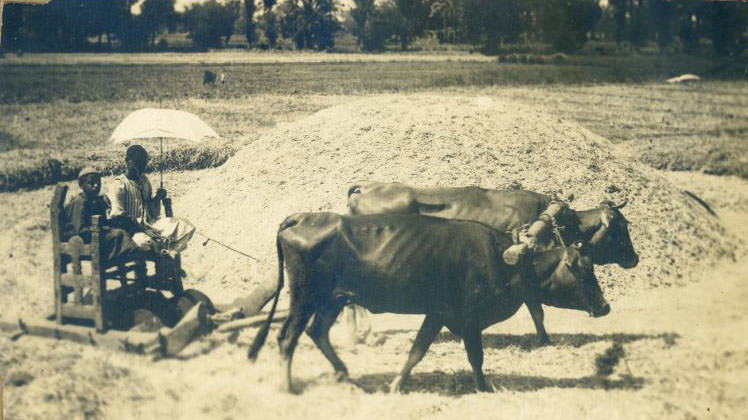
(98,282)
(73,248)
(78,311)
(75,280)
(55,213)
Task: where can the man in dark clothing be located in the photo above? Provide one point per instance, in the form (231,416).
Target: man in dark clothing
(78,212)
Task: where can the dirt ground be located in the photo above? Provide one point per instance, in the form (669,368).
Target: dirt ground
(680,316)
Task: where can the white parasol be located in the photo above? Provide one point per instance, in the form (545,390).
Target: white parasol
(151,123)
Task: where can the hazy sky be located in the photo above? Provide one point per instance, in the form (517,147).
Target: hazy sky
(179,5)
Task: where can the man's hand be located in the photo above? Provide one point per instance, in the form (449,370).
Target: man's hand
(160,194)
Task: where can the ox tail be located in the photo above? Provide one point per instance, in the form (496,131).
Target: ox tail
(263,333)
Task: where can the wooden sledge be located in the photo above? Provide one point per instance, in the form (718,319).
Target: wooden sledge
(163,343)
(129,341)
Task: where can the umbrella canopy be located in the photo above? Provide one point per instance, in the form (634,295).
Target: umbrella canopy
(159,123)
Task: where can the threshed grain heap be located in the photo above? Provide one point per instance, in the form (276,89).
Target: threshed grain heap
(440,140)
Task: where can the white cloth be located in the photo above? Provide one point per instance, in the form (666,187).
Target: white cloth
(142,240)
(176,232)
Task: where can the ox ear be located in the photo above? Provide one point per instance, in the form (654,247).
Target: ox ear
(622,204)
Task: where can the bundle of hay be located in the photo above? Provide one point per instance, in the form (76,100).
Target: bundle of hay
(439,140)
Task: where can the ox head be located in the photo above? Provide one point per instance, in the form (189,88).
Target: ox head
(568,280)
(611,242)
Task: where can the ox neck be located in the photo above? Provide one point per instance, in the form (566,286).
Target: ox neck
(546,262)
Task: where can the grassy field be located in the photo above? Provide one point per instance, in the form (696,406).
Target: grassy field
(46,78)
(57,110)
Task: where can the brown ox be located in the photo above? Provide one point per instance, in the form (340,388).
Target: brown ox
(451,271)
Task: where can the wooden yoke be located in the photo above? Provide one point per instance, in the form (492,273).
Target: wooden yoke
(528,240)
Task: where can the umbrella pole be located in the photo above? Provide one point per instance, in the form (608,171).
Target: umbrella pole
(161,163)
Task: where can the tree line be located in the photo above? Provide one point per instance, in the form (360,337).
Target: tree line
(689,26)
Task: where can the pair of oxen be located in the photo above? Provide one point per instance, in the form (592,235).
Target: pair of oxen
(438,252)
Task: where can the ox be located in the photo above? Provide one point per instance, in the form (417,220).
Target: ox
(603,229)
(451,271)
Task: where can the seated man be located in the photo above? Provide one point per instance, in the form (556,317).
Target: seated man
(136,209)
(78,212)
(133,205)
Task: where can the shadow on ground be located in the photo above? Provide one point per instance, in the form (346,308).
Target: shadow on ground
(529,342)
(462,383)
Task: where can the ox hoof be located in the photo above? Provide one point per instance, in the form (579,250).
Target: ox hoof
(341,376)
(396,385)
(290,389)
(493,387)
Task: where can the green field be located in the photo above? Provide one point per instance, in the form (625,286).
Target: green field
(57,110)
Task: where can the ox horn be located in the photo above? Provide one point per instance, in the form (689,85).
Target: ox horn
(622,205)
(598,236)
(354,189)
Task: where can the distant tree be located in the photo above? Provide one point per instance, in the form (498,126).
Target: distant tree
(249,24)
(207,23)
(12,23)
(60,25)
(639,24)
(729,27)
(566,23)
(662,21)
(620,11)
(311,24)
(270,22)
(694,22)
(156,16)
(490,22)
(411,20)
(445,14)
(324,24)
(109,15)
(362,14)
(372,24)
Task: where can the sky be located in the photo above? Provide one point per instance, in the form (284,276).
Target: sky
(179,5)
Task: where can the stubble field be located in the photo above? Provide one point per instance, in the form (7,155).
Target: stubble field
(679,316)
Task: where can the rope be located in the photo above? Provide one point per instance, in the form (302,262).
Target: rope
(209,239)
(557,231)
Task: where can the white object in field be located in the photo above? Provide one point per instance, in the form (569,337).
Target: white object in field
(4,2)
(684,78)
(159,123)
